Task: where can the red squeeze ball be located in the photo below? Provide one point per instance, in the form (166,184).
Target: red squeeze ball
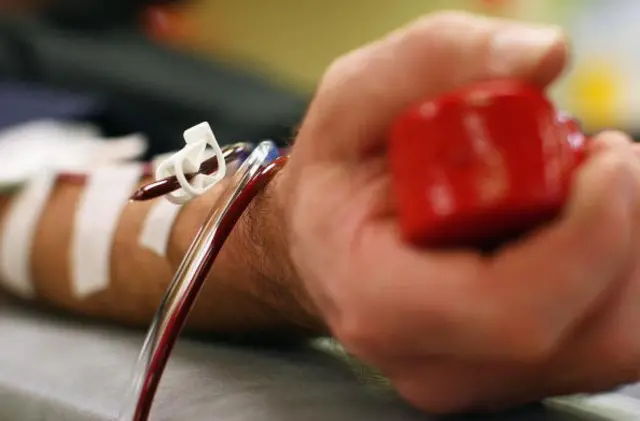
(481,165)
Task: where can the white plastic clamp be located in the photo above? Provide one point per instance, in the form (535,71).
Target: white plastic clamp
(188,160)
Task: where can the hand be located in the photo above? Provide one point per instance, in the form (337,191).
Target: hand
(554,313)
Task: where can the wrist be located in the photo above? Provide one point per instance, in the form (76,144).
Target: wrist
(252,285)
(266,232)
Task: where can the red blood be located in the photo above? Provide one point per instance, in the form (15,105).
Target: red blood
(482,164)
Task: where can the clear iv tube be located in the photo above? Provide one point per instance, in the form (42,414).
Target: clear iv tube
(171,315)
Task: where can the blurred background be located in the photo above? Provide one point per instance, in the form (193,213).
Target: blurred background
(249,67)
(296,39)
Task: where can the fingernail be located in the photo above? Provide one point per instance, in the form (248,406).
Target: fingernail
(517,48)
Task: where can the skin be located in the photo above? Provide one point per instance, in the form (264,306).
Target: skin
(320,250)
(461,331)
(241,296)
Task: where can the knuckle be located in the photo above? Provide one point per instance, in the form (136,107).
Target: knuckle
(603,227)
(360,328)
(340,78)
(610,231)
(610,139)
(359,319)
(336,67)
(354,329)
(444,19)
(439,25)
(430,27)
(342,70)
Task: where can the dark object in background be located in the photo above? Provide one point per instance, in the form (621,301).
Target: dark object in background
(22,103)
(145,87)
(97,14)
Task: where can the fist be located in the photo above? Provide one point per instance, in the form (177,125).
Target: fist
(456,329)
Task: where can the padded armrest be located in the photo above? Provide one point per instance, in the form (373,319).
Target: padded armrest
(55,369)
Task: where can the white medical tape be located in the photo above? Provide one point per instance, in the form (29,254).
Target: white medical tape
(19,230)
(105,196)
(125,148)
(158,225)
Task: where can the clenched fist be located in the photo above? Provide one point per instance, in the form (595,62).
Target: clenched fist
(554,313)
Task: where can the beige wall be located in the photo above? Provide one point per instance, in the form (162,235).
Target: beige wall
(297,39)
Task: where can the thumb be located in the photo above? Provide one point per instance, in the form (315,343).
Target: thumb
(365,90)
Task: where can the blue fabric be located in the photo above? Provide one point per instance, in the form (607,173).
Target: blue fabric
(22,103)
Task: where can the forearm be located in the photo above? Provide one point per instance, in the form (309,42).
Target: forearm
(251,286)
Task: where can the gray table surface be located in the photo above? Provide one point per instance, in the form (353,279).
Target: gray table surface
(54,369)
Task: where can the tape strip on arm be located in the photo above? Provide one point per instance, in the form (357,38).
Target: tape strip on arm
(161,218)
(158,226)
(18,233)
(104,198)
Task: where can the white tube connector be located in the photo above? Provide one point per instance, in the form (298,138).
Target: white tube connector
(188,160)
